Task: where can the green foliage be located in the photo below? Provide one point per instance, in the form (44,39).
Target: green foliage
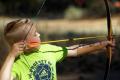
(73,12)
(53,8)
(95,7)
(2,8)
(20,7)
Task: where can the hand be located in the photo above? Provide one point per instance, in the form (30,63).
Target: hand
(111,43)
(108,43)
(17,48)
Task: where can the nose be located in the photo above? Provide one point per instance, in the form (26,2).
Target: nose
(37,34)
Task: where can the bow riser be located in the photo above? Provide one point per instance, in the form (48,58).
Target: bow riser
(110,38)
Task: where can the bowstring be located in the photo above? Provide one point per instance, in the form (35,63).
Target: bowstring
(25,46)
(39,11)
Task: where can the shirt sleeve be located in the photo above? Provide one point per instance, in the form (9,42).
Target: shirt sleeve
(15,71)
(59,53)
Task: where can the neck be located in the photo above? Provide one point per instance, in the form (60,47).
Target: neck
(30,50)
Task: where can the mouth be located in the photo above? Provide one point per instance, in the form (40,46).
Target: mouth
(33,44)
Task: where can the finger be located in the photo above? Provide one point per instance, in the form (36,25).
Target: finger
(21,43)
(21,49)
(22,46)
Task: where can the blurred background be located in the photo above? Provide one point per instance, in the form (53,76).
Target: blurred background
(68,19)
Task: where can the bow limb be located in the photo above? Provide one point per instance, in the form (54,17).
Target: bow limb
(109,48)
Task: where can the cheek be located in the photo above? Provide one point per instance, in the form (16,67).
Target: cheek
(35,39)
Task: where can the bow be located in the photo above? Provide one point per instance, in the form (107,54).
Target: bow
(109,49)
(110,37)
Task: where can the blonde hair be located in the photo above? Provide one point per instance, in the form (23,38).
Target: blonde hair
(17,30)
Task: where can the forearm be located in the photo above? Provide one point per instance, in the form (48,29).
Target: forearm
(5,73)
(91,48)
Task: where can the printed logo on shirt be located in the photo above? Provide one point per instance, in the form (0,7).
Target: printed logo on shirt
(41,70)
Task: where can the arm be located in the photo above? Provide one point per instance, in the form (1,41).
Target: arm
(87,48)
(5,73)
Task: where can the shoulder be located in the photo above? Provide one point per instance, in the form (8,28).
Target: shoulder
(52,48)
(48,47)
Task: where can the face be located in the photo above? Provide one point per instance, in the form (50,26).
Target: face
(33,39)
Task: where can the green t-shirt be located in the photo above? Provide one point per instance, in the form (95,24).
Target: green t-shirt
(39,65)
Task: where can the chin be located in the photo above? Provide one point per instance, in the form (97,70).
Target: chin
(32,49)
